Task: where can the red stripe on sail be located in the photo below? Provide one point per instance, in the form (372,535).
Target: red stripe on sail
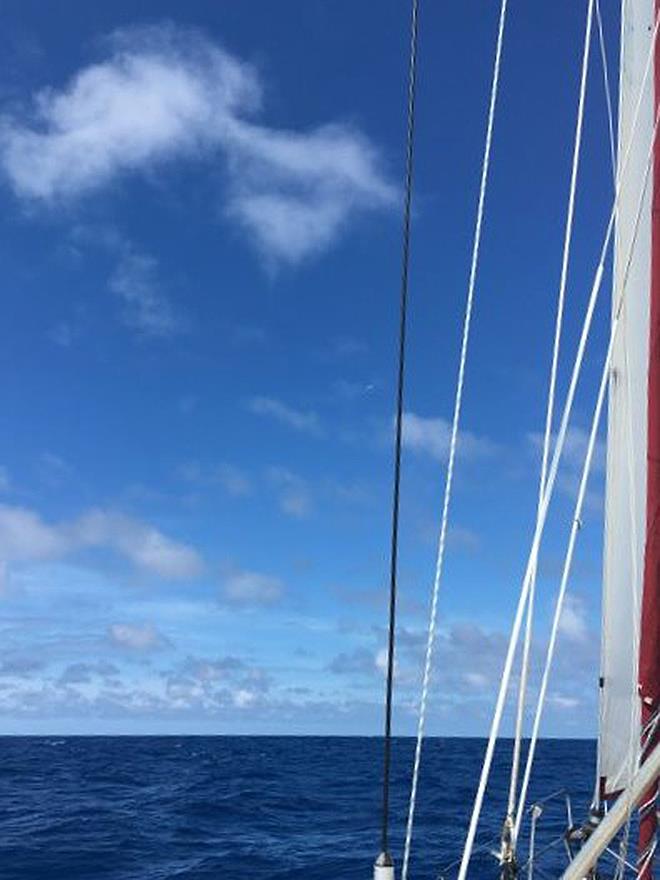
(649,657)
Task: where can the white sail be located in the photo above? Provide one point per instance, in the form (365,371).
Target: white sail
(625,505)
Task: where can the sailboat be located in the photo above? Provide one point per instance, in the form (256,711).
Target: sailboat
(625,793)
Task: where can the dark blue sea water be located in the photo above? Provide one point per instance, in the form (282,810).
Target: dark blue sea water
(281,808)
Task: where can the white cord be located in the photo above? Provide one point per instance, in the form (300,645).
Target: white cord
(568,237)
(561,437)
(569,555)
(606,83)
(454,437)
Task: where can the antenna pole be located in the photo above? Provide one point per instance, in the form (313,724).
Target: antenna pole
(384,867)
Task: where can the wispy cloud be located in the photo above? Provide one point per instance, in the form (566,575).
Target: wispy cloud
(146,308)
(142,638)
(295,496)
(461,538)
(234,480)
(53,470)
(135,279)
(25,536)
(573,623)
(63,333)
(252,588)
(300,420)
(431,436)
(575,448)
(572,463)
(164,94)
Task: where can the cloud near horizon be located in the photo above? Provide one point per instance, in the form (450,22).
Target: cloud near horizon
(164,94)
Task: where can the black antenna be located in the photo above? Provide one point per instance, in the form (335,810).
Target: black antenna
(384,860)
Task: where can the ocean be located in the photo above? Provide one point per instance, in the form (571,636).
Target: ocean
(247,808)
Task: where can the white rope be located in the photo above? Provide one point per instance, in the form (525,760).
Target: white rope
(538,533)
(561,296)
(535,730)
(569,555)
(606,83)
(454,437)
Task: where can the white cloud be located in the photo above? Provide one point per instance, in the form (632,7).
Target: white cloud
(573,622)
(562,702)
(305,421)
(461,538)
(244,698)
(381,660)
(136,637)
(252,588)
(83,673)
(164,94)
(575,448)
(233,480)
(142,544)
(360,661)
(295,497)
(476,679)
(146,308)
(53,470)
(63,334)
(431,436)
(24,536)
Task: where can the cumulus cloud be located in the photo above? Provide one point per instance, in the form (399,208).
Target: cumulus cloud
(83,673)
(360,661)
(144,545)
(163,94)
(252,588)
(214,683)
(137,637)
(20,666)
(25,536)
(305,421)
(431,436)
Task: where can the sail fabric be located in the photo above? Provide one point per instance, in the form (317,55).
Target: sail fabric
(626,486)
(649,672)
(649,655)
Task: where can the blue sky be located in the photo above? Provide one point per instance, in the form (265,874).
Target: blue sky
(200,240)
